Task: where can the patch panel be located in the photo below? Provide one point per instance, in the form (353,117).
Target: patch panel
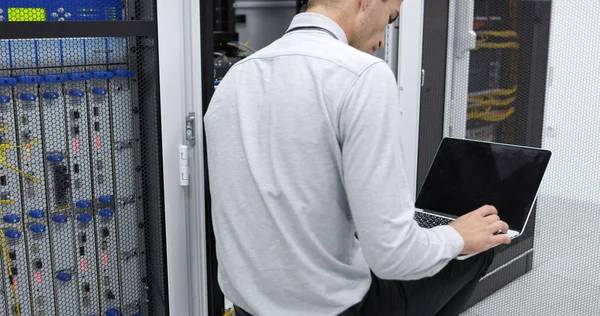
(16,230)
(79,164)
(70,179)
(9,183)
(59,184)
(103,189)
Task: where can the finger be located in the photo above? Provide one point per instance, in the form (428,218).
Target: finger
(492,219)
(501,239)
(487,210)
(498,226)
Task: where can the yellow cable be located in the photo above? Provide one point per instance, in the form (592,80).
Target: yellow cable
(498,116)
(473,115)
(500,92)
(229,313)
(511,45)
(4,246)
(498,33)
(491,116)
(493,102)
(28,176)
(3,158)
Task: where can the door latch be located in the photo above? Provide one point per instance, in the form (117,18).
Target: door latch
(190,130)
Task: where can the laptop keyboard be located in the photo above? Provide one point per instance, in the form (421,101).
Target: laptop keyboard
(429,221)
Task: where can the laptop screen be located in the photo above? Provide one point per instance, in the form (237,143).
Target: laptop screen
(466,175)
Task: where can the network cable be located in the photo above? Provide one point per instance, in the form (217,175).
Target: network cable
(497,92)
(492,102)
(508,45)
(506,34)
(229,312)
(495,116)
(3,158)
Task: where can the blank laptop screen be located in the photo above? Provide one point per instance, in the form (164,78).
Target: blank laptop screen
(466,175)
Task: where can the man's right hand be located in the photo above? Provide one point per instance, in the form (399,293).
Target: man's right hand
(478,228)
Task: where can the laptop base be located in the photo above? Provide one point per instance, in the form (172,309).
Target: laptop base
(429,220)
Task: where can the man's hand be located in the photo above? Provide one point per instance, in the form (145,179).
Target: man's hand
(478,228)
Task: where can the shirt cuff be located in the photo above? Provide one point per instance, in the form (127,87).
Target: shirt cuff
(453,238)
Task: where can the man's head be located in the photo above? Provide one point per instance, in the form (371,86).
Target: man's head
(363,21)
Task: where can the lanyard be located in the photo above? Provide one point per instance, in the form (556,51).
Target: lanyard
(312,28)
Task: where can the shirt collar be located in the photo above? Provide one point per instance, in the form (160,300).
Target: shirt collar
(314,19)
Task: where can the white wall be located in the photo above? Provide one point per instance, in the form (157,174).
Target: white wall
(572,118)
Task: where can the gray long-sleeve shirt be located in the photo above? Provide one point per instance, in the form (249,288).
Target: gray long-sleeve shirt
(304,150)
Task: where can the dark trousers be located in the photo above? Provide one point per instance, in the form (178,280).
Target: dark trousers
(445,293)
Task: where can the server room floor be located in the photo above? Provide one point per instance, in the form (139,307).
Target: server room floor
(565,279)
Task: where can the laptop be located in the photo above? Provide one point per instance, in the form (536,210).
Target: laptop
(468,174)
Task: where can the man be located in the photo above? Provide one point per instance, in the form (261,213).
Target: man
(304,151)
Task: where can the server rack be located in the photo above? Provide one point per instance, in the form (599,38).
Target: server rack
(485,64)
(83,226)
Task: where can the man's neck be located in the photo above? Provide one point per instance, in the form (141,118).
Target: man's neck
(336,14)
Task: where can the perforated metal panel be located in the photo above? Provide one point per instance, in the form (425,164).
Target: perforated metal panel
(81,176)
(552,268)
(565,266)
